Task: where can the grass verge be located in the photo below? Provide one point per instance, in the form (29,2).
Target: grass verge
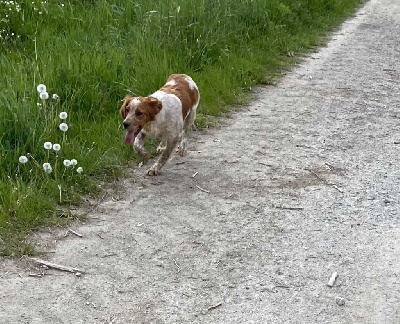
(91,53)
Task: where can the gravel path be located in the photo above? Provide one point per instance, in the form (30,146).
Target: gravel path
(302,183)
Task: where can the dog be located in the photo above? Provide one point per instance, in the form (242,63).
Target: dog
(167,114)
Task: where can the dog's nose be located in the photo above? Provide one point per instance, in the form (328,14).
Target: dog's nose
(126,123)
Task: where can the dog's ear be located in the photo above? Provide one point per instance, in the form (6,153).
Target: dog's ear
(155,105)
(123,111)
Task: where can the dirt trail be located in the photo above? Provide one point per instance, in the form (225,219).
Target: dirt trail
(303,182)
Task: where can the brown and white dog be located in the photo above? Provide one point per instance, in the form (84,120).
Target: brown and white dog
(167,114)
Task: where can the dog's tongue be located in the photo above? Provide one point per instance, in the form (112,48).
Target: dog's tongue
(129,138)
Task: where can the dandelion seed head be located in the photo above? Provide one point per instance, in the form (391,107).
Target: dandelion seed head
(44,95)
(47,167)
(23,159)
(67,163)
(63,127)
(63,115)
(56,147)
(41,88)
(74,162)
(47,145)
(55,97)
(79,170)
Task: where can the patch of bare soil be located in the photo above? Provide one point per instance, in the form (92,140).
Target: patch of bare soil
(250,226)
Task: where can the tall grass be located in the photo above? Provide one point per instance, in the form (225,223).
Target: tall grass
(91,53)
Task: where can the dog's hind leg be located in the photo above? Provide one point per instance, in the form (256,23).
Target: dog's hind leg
(185,131)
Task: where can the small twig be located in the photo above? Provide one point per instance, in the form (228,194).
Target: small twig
(282,286)
(177,265)
(214,306)
(202,189)
(326,182)
(73,232)
(194,174)
(266,164)
(38,275)
(56,266)
(290,208)
(108,255)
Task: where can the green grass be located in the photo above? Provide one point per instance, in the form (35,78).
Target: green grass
(91,53)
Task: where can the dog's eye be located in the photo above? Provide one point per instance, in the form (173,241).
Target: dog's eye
(138,113)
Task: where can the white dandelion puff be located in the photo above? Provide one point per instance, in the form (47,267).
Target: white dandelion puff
(63,127)
(56,147)
(74,162)
(44,95)
(47,167)
(47,145)
(41,88)
(67,163)
(55,97)
(79,170)
(63,115)
(23,159)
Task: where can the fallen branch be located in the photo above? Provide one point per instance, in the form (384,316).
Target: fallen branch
(56,266)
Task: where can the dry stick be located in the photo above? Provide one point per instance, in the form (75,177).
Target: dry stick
(290,208)
(56,266)
(266,164)
(202,189)
(214,306)
(179,268)
(326,182)
(194,174)
(76,233)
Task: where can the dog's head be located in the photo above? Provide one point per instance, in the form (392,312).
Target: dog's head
(137,112)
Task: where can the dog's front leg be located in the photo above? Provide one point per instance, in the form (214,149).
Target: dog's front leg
(138,145)
(164,157)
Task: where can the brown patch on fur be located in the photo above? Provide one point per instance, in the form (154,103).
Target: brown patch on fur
(149,107)
(141,113)
(181,89)
(124,108)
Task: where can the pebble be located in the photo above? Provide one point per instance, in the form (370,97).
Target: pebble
(340,301)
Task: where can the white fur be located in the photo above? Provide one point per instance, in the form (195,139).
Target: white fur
(169,119)
(171,83)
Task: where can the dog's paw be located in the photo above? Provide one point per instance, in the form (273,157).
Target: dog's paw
(152,172)
(182,151)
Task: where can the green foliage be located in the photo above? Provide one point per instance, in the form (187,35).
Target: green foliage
(91,53)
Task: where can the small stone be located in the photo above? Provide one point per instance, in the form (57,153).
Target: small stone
(78,274)
(340,301)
